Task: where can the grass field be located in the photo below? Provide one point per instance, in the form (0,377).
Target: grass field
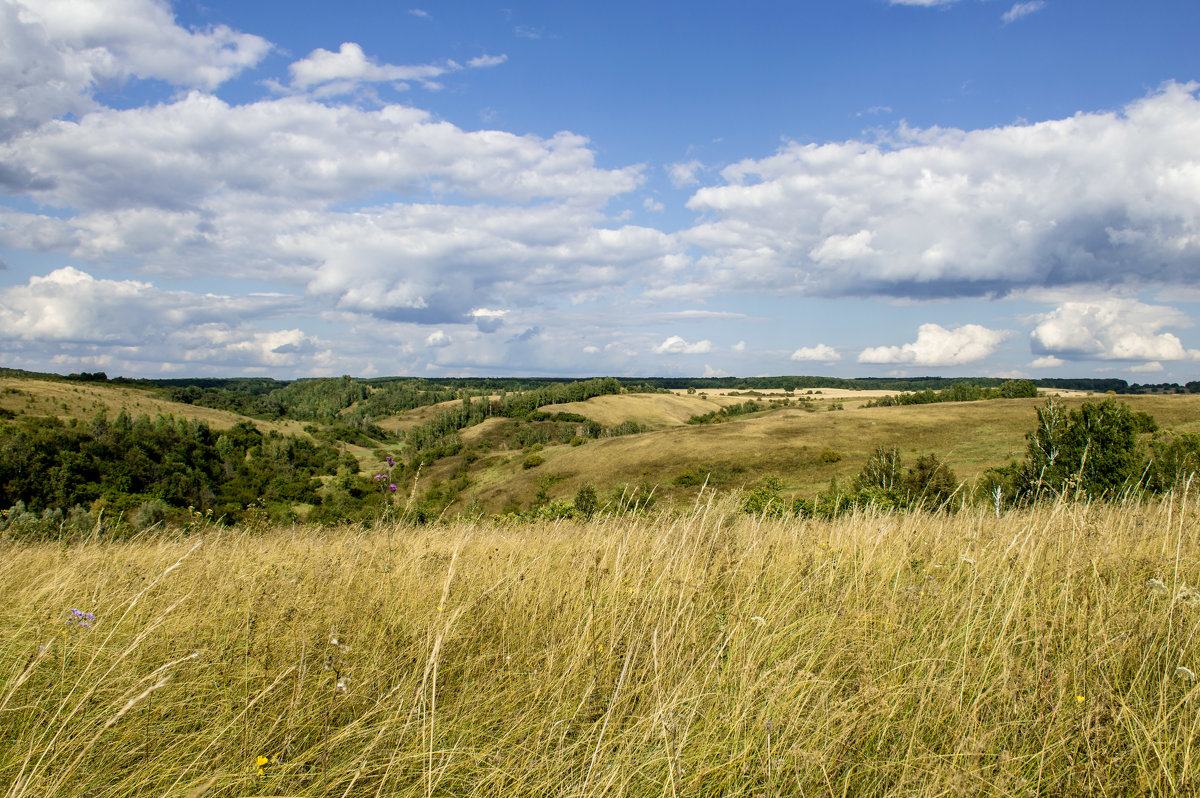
(788,443)
(1044,652)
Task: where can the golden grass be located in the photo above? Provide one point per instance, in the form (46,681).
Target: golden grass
(699,653)
(654,410)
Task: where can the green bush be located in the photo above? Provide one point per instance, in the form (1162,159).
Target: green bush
(532,461)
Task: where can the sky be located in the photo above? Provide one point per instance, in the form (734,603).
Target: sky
(814,187)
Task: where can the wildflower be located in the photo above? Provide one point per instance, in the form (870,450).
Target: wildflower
(392,487)
(1079,699)
(81,618)
(390,461)
(1158,587)
(1185,673)
(380,476)
(261,762)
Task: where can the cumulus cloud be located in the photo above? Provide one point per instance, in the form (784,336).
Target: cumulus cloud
(1111,329)
(938,346)
(57,53)
(1104,198)
(1020,10)
(1047,362)
(676,345)
(200,152)
(820,352)
(1152,366)
(437,338)
(70,313)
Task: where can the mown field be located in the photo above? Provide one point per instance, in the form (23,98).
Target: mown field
(702,651)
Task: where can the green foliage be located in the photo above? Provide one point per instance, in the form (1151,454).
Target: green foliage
(532,461)
(829,455)
(1093,450)
(728,412)
(1174,460)
(586,501)
(929,483)
(128,462)
(882,471)
(960,392)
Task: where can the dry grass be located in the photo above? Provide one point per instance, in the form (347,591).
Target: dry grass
(970,437)
(702,653)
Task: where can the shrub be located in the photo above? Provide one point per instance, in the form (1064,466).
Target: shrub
(829,455)
(533,461)
(586,502)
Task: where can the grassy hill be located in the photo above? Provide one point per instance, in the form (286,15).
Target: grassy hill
(82,400)
(803,449)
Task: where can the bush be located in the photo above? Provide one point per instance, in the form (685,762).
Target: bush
(533,461)
(829,455)
(586,502)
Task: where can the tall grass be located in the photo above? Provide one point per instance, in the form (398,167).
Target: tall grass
(708,653)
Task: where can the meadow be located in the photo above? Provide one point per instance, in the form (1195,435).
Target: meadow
(697,651)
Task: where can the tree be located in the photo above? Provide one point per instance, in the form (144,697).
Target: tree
(881,472)
(930,483)
(1093,449)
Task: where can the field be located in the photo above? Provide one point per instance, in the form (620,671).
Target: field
(703,651)
(791,444)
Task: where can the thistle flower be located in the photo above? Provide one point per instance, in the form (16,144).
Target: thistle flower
(392,487)
(390,461)
(379,477)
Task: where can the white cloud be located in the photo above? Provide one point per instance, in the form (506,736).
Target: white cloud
(1152,366)
(684,173)
(938,346)
(678,346)
(487,60)
(652,205)
(56,53)
(1098,198)
(73,316)
(740,346)
(292,152)
(1111,329)
(709,371)
(1047,362)
(341,72)
(820,352)
(438,338)
(420,13)
(1022,10)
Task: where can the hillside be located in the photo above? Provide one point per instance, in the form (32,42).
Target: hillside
(82,400)
(804,449)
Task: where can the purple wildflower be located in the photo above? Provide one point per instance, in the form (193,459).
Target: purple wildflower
(81,618)
(392,487)
(381,476)
(391,462)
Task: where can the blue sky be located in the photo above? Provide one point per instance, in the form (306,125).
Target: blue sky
(849,187)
